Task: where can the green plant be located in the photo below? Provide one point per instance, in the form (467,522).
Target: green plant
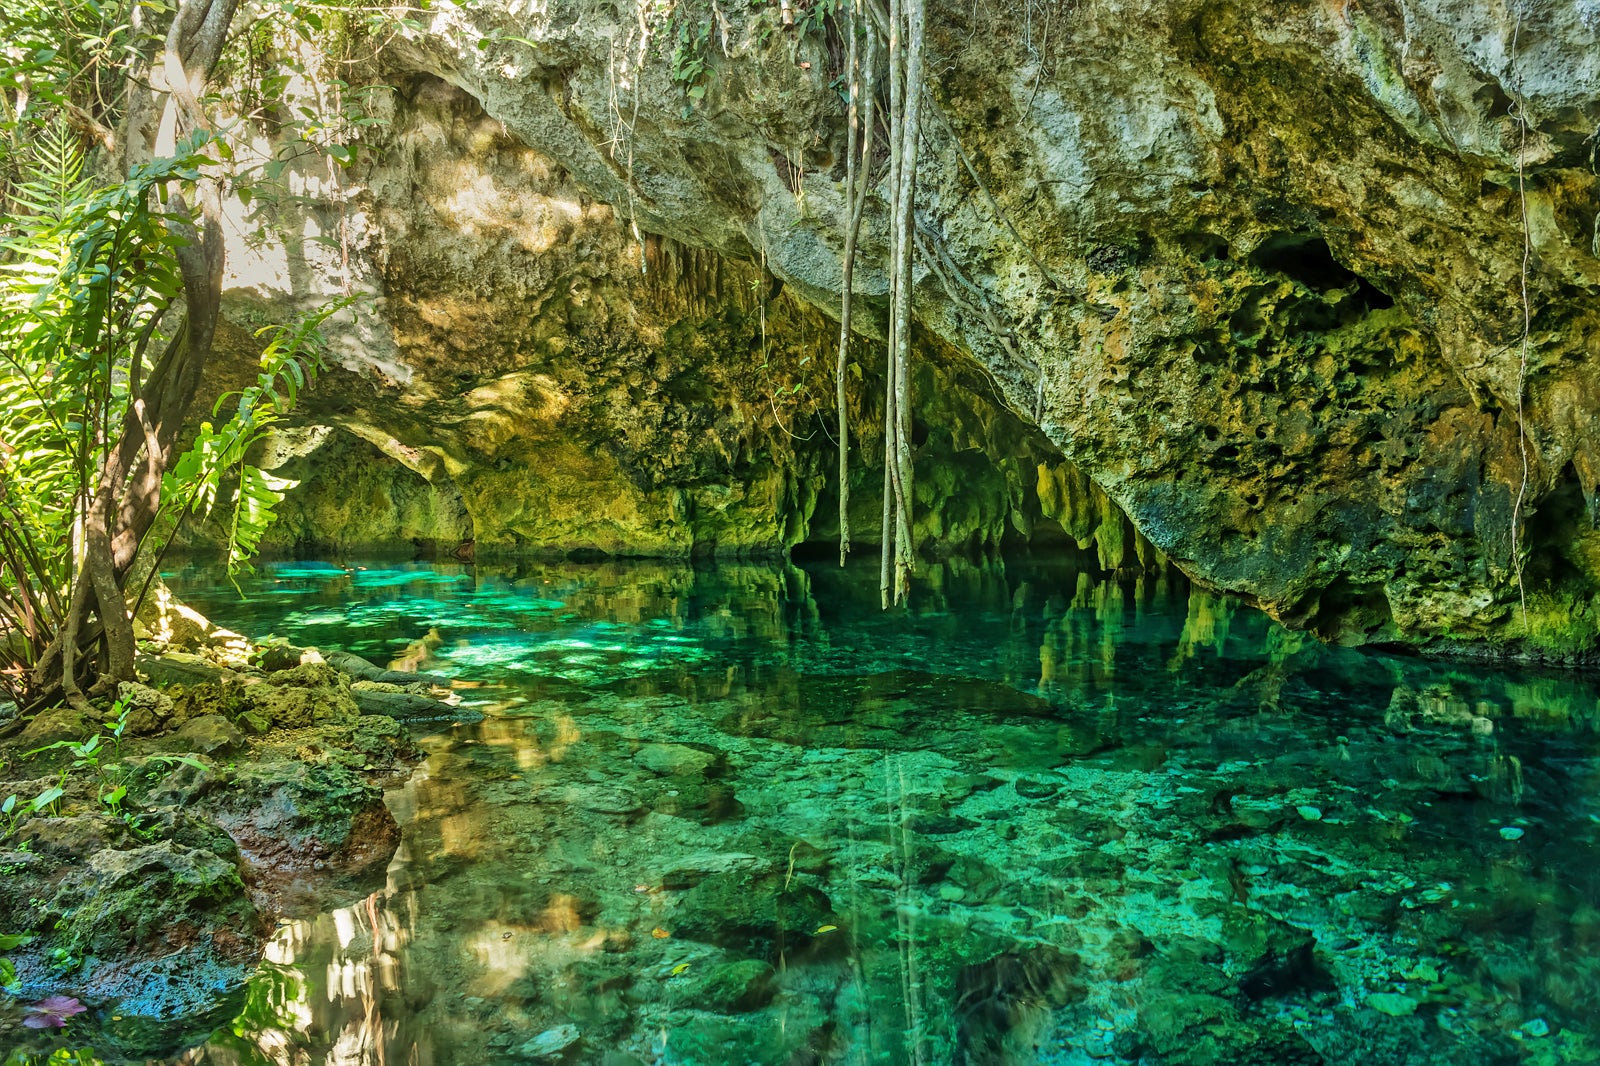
(109,304)
(8,970)
(289,360)
(111,779)
(689,55)
(86,753)
(11,815)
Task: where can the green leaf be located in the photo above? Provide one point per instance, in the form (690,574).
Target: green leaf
(45,798)
(184,760)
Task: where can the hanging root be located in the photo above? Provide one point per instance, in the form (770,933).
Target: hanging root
(906,23)
(856,180)
(1519,110)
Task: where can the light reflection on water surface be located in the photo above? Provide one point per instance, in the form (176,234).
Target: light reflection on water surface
(739,815)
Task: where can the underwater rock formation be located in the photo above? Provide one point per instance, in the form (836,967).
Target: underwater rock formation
(1257,269)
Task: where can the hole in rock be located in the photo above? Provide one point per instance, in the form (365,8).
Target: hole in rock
(1205,246)
(1307,259)
(1552,525)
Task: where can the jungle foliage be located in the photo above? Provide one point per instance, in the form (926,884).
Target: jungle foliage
(111,263)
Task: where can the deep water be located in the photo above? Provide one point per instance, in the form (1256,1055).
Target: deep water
(733,815)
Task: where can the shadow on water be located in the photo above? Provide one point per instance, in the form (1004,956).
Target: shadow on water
(740,815)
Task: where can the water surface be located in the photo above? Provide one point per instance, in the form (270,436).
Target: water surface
(740,815)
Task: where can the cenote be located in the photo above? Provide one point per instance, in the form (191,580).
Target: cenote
(799,533)
(739,814)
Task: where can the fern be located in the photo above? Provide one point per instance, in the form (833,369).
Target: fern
(194,484)
(55,185)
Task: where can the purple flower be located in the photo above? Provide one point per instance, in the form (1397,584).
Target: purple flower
(52,1012)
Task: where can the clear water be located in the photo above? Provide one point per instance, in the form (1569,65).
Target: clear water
(740,815)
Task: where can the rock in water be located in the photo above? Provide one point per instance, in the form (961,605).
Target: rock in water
(1392,1004)
(670,759)
(551,1044)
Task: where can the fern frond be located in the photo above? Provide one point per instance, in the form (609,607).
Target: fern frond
(53,184)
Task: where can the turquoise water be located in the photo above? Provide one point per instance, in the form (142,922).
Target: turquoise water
(740,815)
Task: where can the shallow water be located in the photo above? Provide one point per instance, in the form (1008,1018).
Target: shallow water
(741,815)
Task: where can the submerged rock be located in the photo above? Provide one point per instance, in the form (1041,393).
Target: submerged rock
(551,1044)
(674,759)
(754,913)
(1392,1004)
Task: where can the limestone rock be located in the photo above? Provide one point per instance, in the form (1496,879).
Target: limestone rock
(1252,268)
(210,734)
(149,709)
(57,724)
(551,1044)
(674,759)
(291,816)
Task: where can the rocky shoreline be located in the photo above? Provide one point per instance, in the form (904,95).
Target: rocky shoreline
(182,823)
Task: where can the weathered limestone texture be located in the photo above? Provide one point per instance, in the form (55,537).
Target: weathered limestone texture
(553,385)
(1256,268)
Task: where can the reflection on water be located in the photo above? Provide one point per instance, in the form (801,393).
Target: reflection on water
(739,815)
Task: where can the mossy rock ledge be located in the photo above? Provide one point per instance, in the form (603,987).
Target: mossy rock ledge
(246,796)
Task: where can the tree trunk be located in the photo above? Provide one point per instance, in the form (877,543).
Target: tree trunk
(127,490)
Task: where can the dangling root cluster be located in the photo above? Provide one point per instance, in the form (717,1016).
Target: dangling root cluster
(904,32)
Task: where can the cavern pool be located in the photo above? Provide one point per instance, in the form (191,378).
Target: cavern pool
(737,814)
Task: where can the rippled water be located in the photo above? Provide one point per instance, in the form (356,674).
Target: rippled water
(740,815)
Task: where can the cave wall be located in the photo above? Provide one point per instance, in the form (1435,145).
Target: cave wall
(1255,268)
(553,385)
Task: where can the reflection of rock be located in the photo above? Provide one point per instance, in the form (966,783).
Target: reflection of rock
(729,988)
(1014,991)
(1275,957)
(784,1033)
(1187,1029)
(754,913)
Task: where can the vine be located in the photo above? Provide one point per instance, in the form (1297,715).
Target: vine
(862,88)
(1519,111)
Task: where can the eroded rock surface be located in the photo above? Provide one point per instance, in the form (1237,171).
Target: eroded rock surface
(150,880)
(556,386)
(1256,268)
